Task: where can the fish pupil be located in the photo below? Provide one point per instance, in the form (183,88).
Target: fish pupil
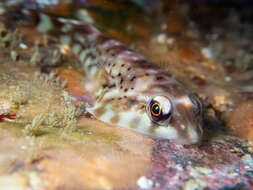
(156,109)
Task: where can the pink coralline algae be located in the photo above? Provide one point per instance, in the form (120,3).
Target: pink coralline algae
(224,163)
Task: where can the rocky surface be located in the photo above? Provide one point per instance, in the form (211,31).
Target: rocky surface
(222,163)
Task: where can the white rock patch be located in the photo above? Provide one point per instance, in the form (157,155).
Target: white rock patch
(144,182)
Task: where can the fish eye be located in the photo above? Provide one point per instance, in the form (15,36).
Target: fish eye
(197,104)
(159,109)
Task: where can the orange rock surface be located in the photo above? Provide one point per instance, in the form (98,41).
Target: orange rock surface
(74,80)
(240,121)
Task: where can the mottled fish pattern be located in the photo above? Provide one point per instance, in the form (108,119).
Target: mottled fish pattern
(127,90)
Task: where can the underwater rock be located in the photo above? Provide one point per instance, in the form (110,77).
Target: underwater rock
(240,121)
(223,162)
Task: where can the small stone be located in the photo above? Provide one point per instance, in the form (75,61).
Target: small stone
(228,79)
(207,52)
(144,182)
(161,38)
(23,46)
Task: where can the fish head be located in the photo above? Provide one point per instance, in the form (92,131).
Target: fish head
(176,118)
(160,116)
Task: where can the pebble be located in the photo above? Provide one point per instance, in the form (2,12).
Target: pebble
(23,46)
(207,52)
(228,79)
(144,183)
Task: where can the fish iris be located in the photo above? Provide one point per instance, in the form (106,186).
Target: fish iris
(156,109)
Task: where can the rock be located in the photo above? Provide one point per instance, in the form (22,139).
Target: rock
(223,162)
(240,121)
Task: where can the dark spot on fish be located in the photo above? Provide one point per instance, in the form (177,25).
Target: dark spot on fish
(112,86)
(119,98)
(129,68)
(124,96)
(121,87)
(113,64)
(159,78)
(112,99)
(105,85)
(121,81)
(132,88)
(125,90)
(119,74)
(146,74)
(113,54)
(123,65)
(132,79)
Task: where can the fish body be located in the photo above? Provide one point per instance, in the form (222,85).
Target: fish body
(126,89)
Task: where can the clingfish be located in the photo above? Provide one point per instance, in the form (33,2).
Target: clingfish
(126,89)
